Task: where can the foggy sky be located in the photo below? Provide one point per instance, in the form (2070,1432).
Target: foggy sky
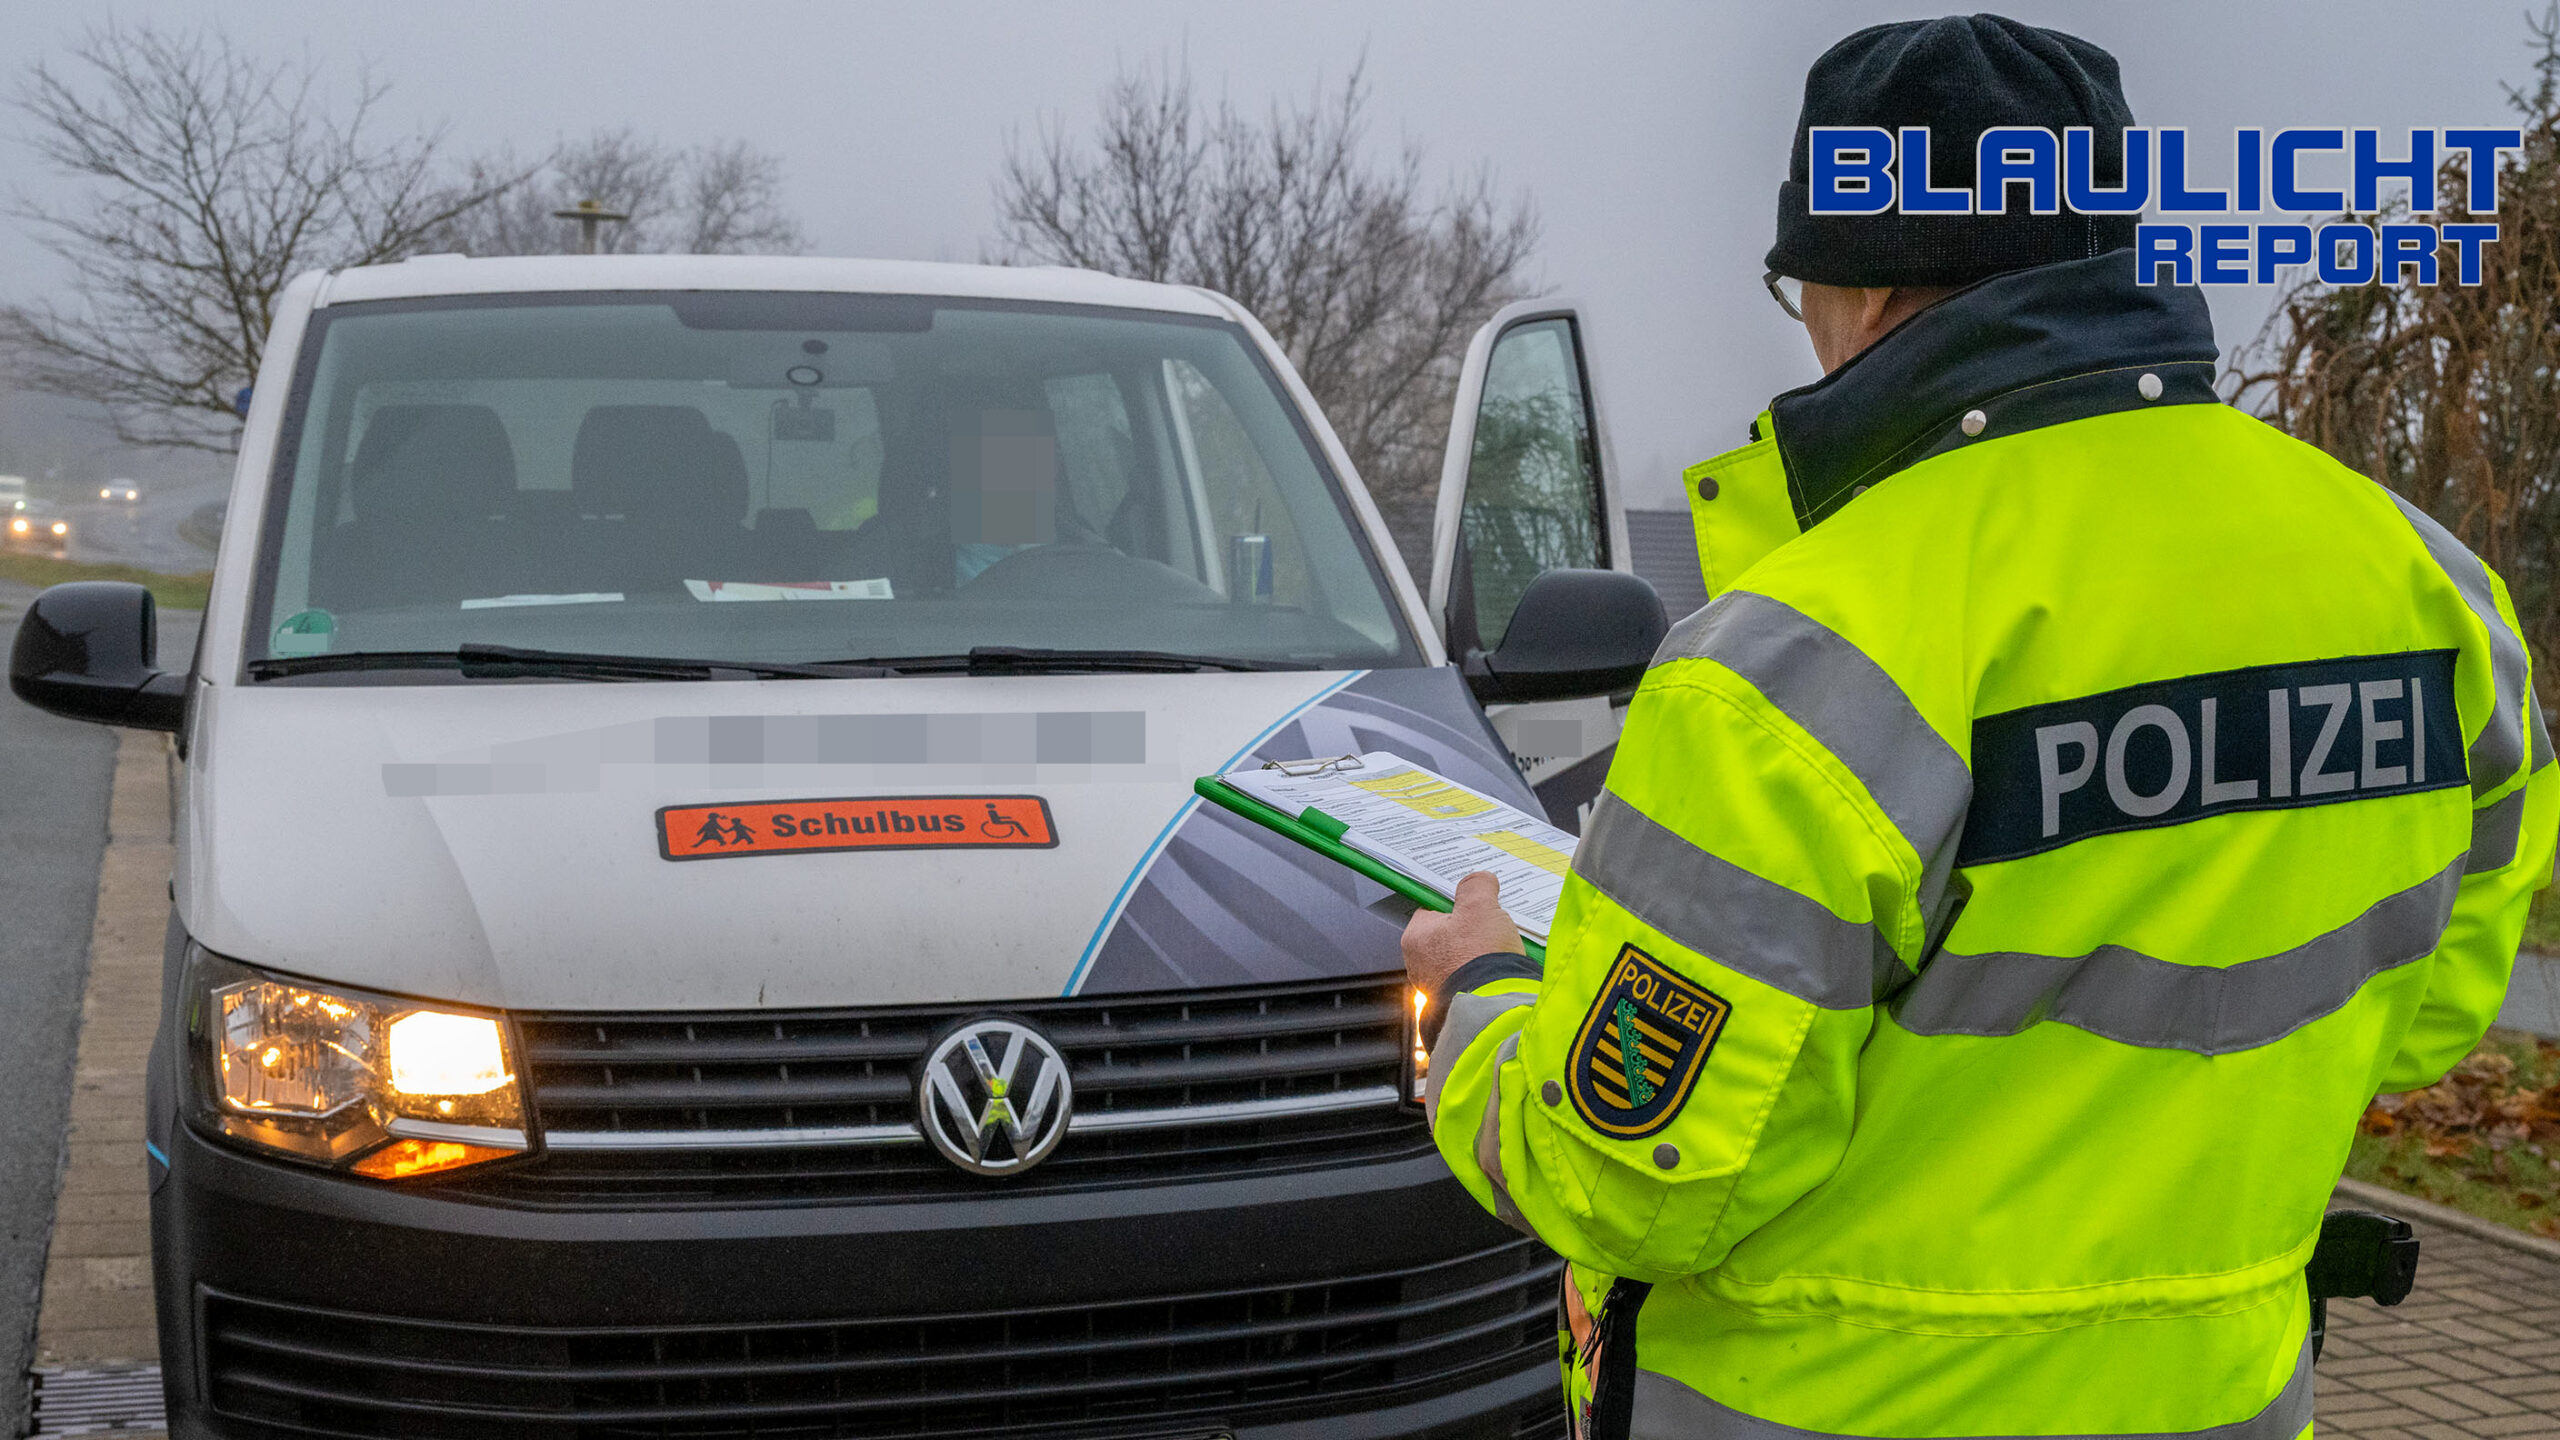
(1652,137)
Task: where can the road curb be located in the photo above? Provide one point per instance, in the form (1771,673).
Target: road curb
(2410,1207)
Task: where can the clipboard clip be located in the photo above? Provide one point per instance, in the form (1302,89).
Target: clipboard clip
(1318,765)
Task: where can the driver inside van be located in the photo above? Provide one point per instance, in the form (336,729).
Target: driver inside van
(1004,489)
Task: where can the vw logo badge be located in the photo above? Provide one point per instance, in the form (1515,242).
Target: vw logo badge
(994,1098)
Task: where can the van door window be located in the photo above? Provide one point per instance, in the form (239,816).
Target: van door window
(1095,451)
(1533,479)
(1255,552)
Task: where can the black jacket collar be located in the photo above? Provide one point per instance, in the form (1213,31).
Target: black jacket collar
(2029,348)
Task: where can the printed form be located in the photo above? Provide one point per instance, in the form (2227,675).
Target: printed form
(1428,827)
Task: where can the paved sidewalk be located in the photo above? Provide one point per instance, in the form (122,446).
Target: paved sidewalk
(97,1282)
(2472,1354)
(97,1341)
(54,779)
(2533,995)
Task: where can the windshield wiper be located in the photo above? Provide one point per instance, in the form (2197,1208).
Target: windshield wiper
(507,662)
(501,661)
(1020,660)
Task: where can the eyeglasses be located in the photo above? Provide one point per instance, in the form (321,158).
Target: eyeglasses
(1788,291)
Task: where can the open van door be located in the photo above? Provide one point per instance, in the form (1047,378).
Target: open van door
(1528,486)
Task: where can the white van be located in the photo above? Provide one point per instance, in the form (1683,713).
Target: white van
(690,916)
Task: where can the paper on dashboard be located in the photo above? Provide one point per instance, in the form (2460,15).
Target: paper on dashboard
(1430,827)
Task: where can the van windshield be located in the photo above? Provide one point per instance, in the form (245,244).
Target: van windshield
(803,478)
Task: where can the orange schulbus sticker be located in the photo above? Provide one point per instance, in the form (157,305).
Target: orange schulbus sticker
(877,822)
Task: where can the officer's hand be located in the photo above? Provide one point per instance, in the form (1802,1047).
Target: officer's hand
(1435,945)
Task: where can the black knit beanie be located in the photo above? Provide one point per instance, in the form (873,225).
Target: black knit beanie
(1960,75)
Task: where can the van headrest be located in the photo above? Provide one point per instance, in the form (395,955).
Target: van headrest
(432,462)
(657,462)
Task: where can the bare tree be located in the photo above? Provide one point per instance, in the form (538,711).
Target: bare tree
(1371,282)
(213,178)
(732,202)
(2450,394)
(721,198)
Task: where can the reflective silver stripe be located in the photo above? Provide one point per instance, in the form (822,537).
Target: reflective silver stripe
(812,1137)
(2134,999)
(1157,1117)
(1731,916)
(1848,704)
(790,1138)
(504,1138)
(2541,736)
(2501,746)
(1665,1409)
(1489,1143)
(1467,1017)
(2494,831)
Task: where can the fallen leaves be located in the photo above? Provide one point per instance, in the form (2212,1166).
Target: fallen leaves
(2492,1125)
(2486,1100)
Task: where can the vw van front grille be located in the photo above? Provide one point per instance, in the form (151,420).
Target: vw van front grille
(802,1106)
(1183,1364)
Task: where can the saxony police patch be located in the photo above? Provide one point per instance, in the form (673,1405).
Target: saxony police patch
(1642,1045)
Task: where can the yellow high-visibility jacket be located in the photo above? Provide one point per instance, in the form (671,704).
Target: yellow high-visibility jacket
(2007,895)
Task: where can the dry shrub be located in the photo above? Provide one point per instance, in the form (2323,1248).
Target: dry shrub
(2449,394)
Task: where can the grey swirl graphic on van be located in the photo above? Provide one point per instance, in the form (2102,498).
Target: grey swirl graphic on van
(1227,902)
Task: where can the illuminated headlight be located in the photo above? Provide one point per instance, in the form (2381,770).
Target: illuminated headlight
(385,1087)
(1417,1058)
(61,528)
(106,494)
(18,525)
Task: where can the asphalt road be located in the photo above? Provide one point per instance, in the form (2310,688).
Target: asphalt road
(149,533)
(54,776)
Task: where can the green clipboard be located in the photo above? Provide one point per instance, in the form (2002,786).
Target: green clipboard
(1323,834)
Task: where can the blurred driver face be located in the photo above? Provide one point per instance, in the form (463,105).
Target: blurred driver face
(1004,487)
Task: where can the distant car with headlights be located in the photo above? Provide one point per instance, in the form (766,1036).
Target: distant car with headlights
(32,527)
(691,916)
(13,493)
(121,491)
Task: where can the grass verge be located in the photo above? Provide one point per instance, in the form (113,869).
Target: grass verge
(2542,922)
(176,592)
(2482,1140)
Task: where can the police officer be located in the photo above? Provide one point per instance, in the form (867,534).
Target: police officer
(2008,894)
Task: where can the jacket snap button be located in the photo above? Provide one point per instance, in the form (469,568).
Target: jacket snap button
(1974,422)
(1706,487)
(1666,1156)
(1552,1093)
(2149,385)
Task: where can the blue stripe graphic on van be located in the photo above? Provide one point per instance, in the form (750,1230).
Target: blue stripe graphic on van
(1120,900)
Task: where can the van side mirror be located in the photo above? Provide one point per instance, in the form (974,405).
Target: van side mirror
(1575,633)
(89,650)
